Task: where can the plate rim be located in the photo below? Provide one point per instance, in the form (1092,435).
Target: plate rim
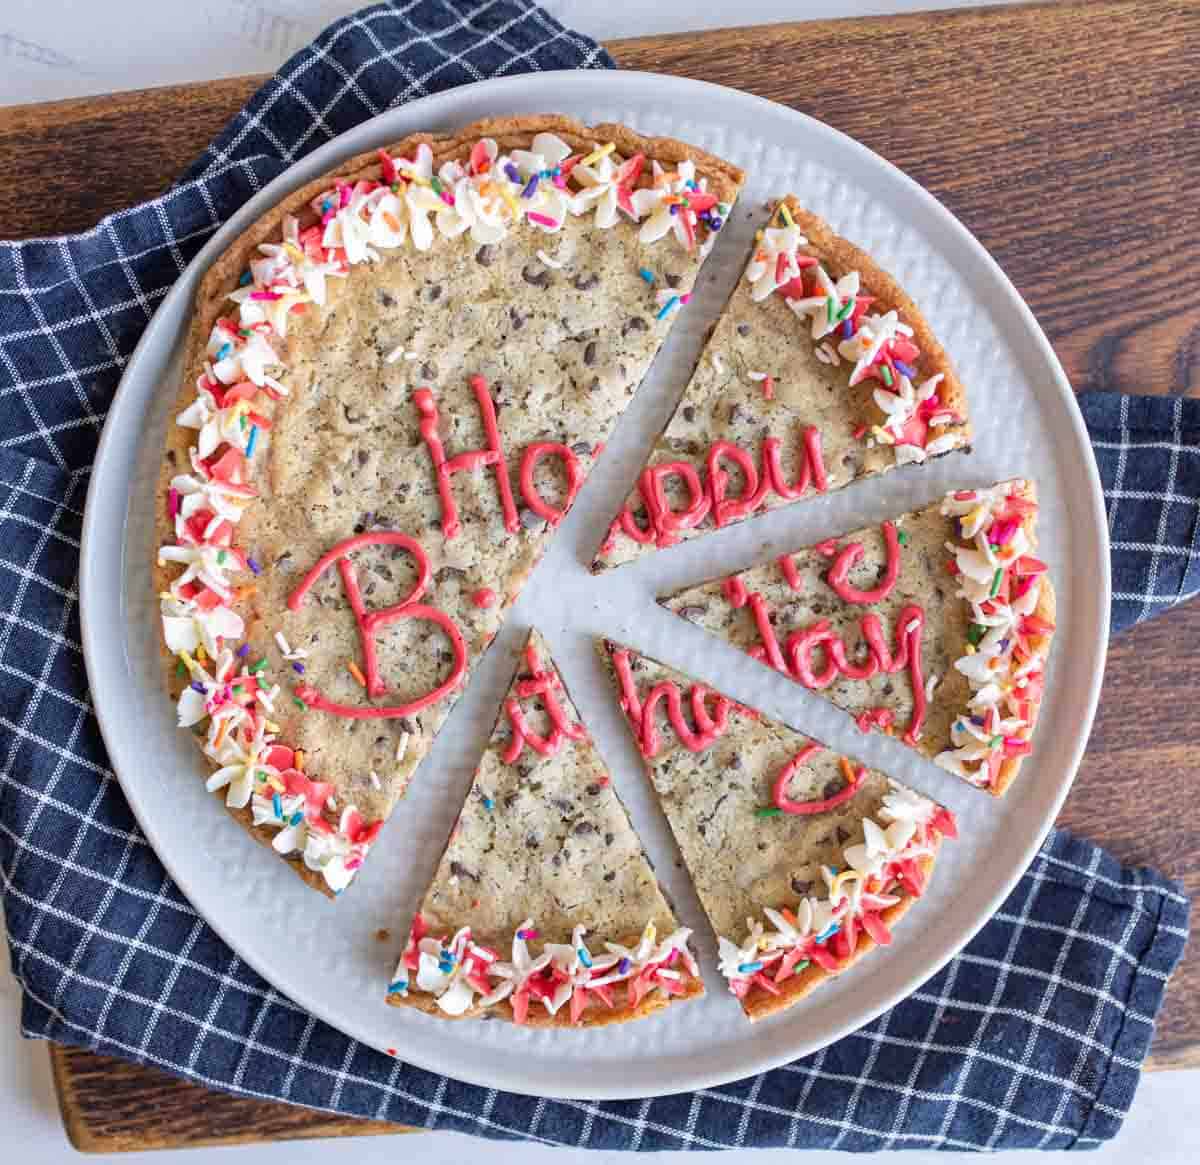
(329,154)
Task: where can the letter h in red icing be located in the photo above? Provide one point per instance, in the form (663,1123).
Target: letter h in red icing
(492,455)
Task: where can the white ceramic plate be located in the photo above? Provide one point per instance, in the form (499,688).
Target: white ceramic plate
(324,955)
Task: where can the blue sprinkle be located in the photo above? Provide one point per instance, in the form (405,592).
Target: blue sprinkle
(749,968)
(489,804)
(277,805)
(646,274)
(828,933)
(907,369)
(298,668)
(252,441)
(666,307)
(224,350)
(715,222)
(243,651)
(584,957)
(530,187)
(513,173)
(847,327)
(327,205)
(398,985)
(197,687)
(297,817)
(253,565)
(245,278)
(622,966)
(674,207)
(691,184)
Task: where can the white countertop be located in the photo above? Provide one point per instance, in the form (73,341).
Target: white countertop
(51,49)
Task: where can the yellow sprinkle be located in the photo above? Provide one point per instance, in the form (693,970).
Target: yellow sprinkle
(596,155)
(787,216)
(294,252)
(276,783)
(353,669)
(188,661)
(512,202)
(200,653)
(758,235)
(221,733)
(970,648)
(165,595)
(298,759)
(972,517)
(272,726)
(842,878)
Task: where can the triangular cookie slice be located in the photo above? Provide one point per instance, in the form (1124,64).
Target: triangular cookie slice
(544,908)
(398,380)
(820,371)
(937,624)
(803,861)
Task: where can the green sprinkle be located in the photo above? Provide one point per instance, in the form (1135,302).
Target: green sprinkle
(723,208)
(256,668)
(975,633)
(180,669)
(831,307)
(768,811)
(902,538)
(845,310)
(436,184)
(299,703)
(887,376)
(221,557)
(996,740)
(395,187)
(996,581)
(801,965)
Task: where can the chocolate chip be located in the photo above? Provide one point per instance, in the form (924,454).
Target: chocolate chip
(843,835)
(386,299)
(353,416)
(693,613)
(608,838)
(672,280)
(735,413)
(735,761)
(581,449)
(363,457)
(589,353)
(518,320)
(689,413)
(429,371)
(594,788)
(563,805)
(529,519)
(610,875)
(532,841)
(435,293)
(595,384)
(538,276)
(461,871)
(486,255)
(800,887)
(586,282)
(584,827)
(743,329)
(634,324)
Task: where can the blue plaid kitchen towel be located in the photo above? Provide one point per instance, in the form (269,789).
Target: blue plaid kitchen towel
(1033,1036)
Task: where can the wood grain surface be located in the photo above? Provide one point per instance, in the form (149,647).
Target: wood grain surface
(1059,134)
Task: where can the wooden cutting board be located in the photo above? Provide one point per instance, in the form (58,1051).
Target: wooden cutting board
(1074,160)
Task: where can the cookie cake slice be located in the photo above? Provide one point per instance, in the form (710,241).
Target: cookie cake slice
(396,384)
(544,909)
(937,624)
(803,861)
(821,370)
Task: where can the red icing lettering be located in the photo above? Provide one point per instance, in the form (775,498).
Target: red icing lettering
(641,714)
(787,568)
(529,459)
(881,718)
(542,682)
(492,455)
(779,792)
(708,494)
(847,559)
(370,621)
(803,643)
(768,650)
(731,509)
(828,548)
(484,597)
